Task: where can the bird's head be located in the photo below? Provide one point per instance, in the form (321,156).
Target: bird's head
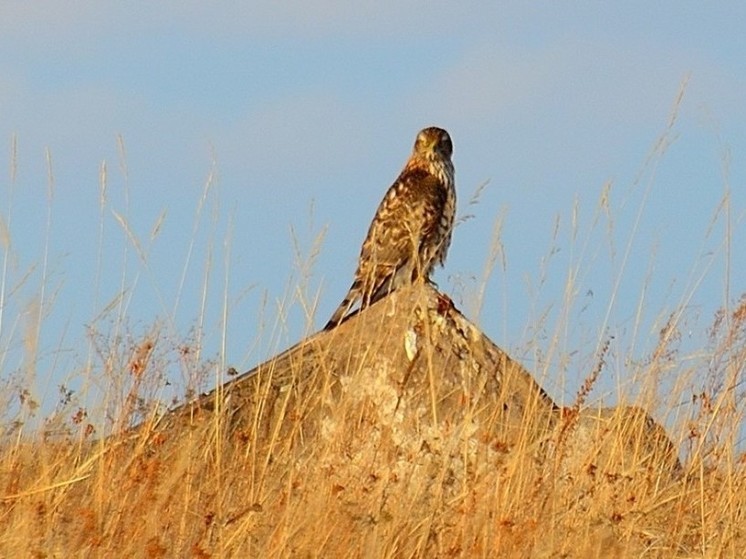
(433,142)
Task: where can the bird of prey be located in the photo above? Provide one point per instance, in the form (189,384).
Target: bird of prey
(411,230)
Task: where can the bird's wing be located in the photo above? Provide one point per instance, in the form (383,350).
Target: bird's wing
(406,218)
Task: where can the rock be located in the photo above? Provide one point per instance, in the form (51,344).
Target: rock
(406,407)
(413,368)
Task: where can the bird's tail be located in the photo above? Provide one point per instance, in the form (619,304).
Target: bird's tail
(352,295)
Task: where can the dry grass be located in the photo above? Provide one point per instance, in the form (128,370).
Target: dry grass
(354,465)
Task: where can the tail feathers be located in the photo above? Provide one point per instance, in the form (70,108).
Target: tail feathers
(352,295)
(387,285)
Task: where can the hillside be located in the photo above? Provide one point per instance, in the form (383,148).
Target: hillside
(404,432)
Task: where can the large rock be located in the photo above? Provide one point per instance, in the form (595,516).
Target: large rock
(407,404)
(410,372)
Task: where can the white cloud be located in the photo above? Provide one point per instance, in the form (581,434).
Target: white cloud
(568,103)
(311,134)
(51,21)
(582,81)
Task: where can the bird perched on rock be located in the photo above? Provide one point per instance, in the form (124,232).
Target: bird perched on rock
(411,230)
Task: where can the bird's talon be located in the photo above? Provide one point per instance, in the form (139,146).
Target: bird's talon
(445,304)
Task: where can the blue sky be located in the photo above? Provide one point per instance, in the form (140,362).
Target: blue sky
(304,113)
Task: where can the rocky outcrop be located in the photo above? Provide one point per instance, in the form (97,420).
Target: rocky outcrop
(411,388)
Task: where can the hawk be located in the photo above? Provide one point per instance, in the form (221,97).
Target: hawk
(411,230)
